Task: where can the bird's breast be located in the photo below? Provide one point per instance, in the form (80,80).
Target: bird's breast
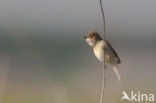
(99,53)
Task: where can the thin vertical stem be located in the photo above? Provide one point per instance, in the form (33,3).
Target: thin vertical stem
(104,66)
(103,17)
(103,84)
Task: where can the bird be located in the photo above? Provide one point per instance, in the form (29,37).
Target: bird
(103,47)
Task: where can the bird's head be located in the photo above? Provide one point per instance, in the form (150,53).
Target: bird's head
(92,38)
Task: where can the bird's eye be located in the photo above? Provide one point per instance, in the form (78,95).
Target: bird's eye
(91,36)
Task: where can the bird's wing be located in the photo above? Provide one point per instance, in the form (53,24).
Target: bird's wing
(116,55)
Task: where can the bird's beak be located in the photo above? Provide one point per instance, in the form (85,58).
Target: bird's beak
(85,37)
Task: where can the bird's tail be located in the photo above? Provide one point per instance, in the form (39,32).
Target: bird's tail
(117,72)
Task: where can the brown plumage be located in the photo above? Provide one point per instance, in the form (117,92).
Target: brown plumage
(92,34)
(116,55)
(99,47)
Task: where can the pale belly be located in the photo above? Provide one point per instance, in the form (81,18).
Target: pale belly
(99,53)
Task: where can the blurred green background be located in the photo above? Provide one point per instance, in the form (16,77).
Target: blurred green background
(44,59)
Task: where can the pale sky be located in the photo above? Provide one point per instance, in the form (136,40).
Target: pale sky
(127,18)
